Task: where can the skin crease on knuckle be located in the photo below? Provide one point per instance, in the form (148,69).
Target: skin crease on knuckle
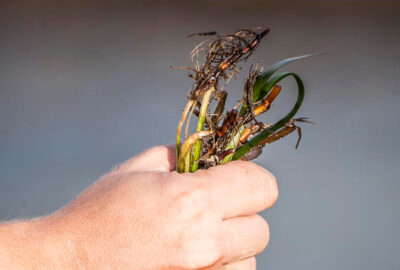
(246,264)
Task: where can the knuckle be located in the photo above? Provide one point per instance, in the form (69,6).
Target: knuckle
(265,182)
(196,197)
(267,185)
(192,198)
(200,252)
(264,232)
(272,190)
(188,199)
(246,264)
(252,263)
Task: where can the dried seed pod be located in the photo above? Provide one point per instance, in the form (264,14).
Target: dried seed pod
(266,102)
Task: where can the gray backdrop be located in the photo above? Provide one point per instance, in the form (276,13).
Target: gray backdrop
(85,85)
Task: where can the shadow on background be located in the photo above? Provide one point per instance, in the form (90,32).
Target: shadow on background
(86,85)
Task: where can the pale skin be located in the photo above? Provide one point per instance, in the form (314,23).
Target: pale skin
(143,215)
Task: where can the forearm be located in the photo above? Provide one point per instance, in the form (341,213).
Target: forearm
(24,245)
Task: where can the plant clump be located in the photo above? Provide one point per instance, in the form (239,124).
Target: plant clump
(222,136)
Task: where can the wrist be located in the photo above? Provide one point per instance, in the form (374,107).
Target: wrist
(32,244)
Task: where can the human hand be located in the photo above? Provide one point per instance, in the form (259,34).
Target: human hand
(142,215)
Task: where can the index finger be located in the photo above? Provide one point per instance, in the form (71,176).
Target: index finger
(239,188)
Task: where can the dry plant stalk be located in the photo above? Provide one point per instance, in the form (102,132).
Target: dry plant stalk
(236,134)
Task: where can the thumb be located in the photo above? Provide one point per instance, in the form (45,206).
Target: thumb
(160,158)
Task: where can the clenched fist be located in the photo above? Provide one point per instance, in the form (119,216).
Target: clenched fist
(143,215)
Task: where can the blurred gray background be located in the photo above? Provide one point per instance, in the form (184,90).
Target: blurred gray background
(84,85)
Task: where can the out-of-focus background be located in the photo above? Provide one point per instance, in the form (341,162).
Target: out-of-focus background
(84,85)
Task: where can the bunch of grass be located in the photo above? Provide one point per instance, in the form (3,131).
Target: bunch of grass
(236,134)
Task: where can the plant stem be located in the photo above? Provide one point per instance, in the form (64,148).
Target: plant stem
(187,163)
(200,126)
(179,128)
(187,146)
(233,144)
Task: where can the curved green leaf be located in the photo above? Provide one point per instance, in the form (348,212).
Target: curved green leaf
(262,135)
(259,89)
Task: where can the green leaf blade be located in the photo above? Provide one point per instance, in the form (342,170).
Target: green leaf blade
(264,134)
(259,87)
